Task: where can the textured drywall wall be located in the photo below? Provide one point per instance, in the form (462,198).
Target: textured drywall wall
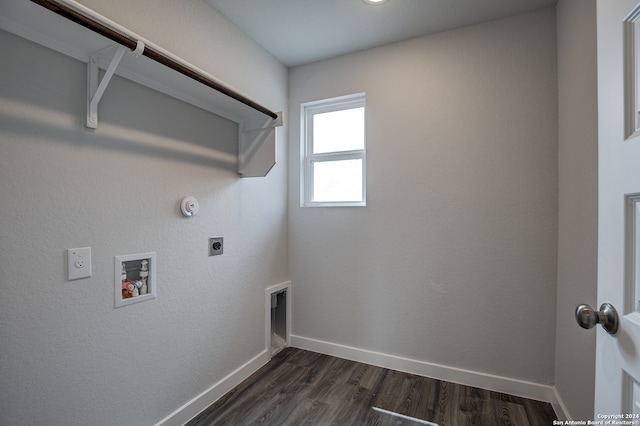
(68,357)
(453,260)
(578,203)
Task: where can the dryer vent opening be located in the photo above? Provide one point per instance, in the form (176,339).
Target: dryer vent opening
(278,321)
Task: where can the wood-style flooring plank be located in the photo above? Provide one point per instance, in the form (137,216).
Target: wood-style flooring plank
(300,387)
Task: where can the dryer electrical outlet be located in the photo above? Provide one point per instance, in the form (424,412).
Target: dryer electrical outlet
(216,246)
(78,263)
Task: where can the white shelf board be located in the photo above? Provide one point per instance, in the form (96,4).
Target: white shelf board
(40,25)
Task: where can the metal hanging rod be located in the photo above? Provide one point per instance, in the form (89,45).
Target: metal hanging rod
(150,53)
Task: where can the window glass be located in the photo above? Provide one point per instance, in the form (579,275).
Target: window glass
(337,180)
(338,131)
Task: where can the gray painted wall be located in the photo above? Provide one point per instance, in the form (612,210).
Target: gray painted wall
(578,203)
(67,356)
(453,261)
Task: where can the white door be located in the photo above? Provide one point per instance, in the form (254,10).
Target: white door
(618,356)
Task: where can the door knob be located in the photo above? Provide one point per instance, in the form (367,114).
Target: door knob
(607,316)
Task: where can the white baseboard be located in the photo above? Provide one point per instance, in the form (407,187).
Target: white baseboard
(491,382)
(559,407)
(192,408)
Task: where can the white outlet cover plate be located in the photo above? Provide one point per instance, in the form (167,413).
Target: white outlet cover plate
(78,263)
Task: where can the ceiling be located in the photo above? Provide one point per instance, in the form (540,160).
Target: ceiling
(302,31)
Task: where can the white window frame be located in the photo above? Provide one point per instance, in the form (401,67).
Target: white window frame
(308,110)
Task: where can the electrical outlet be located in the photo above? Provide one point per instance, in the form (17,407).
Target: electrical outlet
(216,246)
(78,263)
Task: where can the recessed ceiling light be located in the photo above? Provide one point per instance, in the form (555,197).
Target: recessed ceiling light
(374,1)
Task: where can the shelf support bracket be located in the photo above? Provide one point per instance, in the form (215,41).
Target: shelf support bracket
(95,90)
(257,145)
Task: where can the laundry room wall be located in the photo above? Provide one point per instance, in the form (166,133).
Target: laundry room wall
(453,260)
(68,356)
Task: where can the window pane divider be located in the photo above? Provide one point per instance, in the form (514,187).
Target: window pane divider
(336,156)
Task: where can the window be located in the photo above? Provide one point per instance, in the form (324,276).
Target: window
(333,134)
(632,73)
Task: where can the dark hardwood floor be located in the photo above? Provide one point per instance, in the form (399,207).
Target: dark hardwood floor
(299,387)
